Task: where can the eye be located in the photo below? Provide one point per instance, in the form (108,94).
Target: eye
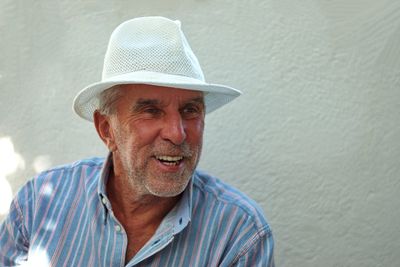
(191,111)
(152,111)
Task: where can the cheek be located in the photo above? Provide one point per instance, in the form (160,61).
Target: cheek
(144,133)
(195,132)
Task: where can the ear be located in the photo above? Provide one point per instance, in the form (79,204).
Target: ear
(103,128)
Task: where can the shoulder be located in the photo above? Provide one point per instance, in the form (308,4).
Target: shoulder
(82,173)
(235,223)
(90,163)
(208,189)
(53,189)
(78,169)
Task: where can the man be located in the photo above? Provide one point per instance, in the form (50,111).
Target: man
(145,204)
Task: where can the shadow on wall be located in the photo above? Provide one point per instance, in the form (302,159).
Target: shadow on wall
(10,163)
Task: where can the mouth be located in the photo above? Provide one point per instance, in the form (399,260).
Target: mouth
(170,160)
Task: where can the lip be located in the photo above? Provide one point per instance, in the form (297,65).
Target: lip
(169,168)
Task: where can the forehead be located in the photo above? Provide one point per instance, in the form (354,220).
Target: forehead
(133,92)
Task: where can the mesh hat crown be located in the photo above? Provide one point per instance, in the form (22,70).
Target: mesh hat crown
(154,51)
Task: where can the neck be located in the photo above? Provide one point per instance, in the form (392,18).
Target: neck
(140,213)
(130,206)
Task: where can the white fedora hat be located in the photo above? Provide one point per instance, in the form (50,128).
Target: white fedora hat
(154,51)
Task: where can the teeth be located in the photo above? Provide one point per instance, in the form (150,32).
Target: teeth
(168,158)
(170,163)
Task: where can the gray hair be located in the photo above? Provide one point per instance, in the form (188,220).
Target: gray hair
(107,100)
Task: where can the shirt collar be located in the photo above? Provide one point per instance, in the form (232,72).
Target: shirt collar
(101,187)
(177,219)
(181,213)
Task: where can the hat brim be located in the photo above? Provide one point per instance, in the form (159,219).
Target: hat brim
(215,95)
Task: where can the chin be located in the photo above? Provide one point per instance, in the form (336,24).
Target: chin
(170,189)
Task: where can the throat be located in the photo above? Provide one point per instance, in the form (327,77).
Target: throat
(136,241)
(141,227)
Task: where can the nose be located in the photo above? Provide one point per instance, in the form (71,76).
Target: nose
(173,129)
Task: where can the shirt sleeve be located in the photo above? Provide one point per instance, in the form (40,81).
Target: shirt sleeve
(14,244)
(258,251)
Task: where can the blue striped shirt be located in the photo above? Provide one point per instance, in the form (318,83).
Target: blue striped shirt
(63,218)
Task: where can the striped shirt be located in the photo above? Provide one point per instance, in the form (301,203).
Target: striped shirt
(63,217)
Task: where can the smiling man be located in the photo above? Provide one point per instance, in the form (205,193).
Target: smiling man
(145,204)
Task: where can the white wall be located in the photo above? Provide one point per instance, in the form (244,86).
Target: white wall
(315,138)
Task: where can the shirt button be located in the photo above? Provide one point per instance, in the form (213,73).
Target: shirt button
(118,228)
(104,200)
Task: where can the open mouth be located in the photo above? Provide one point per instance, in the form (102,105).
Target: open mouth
(170,161)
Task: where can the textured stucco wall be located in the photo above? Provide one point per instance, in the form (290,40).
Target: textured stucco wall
(315,138)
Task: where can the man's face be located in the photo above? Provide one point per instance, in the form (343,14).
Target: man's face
(158,135)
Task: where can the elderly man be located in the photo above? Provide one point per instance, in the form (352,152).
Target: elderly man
(145,204)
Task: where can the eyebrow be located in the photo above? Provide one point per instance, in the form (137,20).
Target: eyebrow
(142,103)
(198,100)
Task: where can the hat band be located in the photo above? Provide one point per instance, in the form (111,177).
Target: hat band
(150,77)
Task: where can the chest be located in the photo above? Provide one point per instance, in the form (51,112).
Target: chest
(136,240)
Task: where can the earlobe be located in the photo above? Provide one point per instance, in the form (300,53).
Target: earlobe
(103,129)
